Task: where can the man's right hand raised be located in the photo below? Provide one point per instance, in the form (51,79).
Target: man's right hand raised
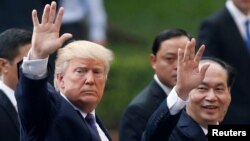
(189,76)
(45,38)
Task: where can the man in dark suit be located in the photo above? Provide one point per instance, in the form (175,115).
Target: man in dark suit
(14,44)
(200,98)
(164,62)
(68,111)
(225,37)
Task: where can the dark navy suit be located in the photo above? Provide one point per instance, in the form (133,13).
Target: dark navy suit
(136,115)
(46,116)
(9,126)
(162,126)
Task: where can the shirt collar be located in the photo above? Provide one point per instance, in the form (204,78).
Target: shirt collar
(164,87)
(9,93)
(205,130)
(239,17)
(82,113)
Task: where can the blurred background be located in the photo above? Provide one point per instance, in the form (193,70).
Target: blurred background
(132,26)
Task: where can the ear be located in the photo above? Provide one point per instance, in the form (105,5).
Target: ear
(153,60)
(60,81)
(3,65)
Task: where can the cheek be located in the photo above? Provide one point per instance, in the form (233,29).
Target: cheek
(101,86)
(196,98)
(70,83)
(225,101)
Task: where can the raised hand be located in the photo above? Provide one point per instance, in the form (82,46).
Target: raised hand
(189,76)
(46,39)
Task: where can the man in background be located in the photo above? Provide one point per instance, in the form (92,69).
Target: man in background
(225,35)
(164,62)
(14,44)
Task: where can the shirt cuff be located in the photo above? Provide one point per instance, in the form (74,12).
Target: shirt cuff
(175,103)
(35,69)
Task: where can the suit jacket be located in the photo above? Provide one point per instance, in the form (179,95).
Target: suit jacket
(46,116)
(9,125)
(223,40)
(137,113)
(162,126)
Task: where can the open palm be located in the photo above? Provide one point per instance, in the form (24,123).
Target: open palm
(46,39)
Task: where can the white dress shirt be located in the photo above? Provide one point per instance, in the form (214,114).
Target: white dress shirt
(9,93)
(239,17)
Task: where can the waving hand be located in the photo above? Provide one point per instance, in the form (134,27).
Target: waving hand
(189,75)
(46,39)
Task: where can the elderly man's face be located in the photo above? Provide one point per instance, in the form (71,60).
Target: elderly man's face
(83,83)
(209,102)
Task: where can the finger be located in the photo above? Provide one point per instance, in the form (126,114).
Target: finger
(180,55)
(199,54)
(187,51)
(203,70)
(45,13)
(65,37)
(52,12)
(35,18)
(59,18)
(192,49)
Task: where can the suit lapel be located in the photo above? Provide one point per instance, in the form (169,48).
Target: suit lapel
(157,91)
(234,41)
(9,108)
(191,128)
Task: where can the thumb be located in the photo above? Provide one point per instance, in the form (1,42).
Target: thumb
(65,37)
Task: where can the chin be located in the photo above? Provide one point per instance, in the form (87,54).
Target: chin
(211,120)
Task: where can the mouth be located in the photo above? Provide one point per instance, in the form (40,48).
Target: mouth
(174,77)
(210,108)
(89,92)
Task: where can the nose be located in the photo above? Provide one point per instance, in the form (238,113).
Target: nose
(89,78)
(211,96)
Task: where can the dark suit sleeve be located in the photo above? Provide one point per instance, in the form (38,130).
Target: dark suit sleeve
(161,124)
(34,104)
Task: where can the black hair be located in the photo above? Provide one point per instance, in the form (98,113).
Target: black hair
(166,35)
(11,40)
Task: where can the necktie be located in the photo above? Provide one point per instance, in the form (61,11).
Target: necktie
(248,34)
(93,129)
